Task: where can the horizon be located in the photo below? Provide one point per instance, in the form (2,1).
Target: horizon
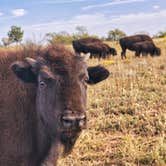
(46,16)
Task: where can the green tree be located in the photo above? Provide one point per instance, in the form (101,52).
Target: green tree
(60,37)
(115,35)
(15,34)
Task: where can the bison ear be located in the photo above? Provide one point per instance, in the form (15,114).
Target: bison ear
(97,74)
(24,71)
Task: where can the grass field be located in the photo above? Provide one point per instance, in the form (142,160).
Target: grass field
(126,115)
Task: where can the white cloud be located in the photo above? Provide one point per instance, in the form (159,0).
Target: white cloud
(1,14)
(100,23)
(114,2)
(18,12)
(156,7)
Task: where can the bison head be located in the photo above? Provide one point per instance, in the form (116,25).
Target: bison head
(157,51)
(113,51)
(60,84)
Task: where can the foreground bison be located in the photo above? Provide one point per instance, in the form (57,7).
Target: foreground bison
(146,47)
(93,46)
(42,104)
(127,42)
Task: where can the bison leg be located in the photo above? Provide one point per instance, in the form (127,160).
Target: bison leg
(137,53)
(104,55)
(99,57)
(123,53)
(91,56)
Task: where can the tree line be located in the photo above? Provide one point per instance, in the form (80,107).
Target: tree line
(15,35)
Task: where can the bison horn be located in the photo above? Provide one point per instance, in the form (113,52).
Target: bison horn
(31,61)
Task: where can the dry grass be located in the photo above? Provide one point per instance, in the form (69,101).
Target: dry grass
(127,119)
(126,114)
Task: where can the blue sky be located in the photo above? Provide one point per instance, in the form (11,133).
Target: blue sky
(37,17)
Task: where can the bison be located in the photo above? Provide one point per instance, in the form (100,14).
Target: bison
(110,50)
(93,46)
(127,42)
(42,104)
(146,47)
(86,45)
(105,52)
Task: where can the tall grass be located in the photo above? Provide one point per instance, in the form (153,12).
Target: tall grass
(126,115)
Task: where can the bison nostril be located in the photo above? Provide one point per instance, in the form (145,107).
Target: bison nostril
(67,123)
(82,122)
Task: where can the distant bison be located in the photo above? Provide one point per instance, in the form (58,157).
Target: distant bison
(146,47)
(88,45)
(42,104)
(108,51)
(93,46)
(80,44)
(127,42)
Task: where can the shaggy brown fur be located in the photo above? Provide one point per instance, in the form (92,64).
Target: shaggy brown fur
(34,123)
(17,106)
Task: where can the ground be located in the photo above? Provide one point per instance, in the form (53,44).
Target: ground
(126,115)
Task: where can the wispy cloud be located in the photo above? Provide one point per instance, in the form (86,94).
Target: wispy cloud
(62,1)
(100,23)
(114,2)
(18,12)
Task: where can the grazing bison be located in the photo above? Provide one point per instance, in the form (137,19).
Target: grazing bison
(105,52)
(42,104)
(127,42)
(93,46)
(82,45)
(111,51)
(146,47)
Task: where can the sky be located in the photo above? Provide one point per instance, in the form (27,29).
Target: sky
(38,17)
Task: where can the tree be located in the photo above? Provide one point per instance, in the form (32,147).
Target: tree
(60,37)
(15,34)
(160,34)
(115,35)
(81,31)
